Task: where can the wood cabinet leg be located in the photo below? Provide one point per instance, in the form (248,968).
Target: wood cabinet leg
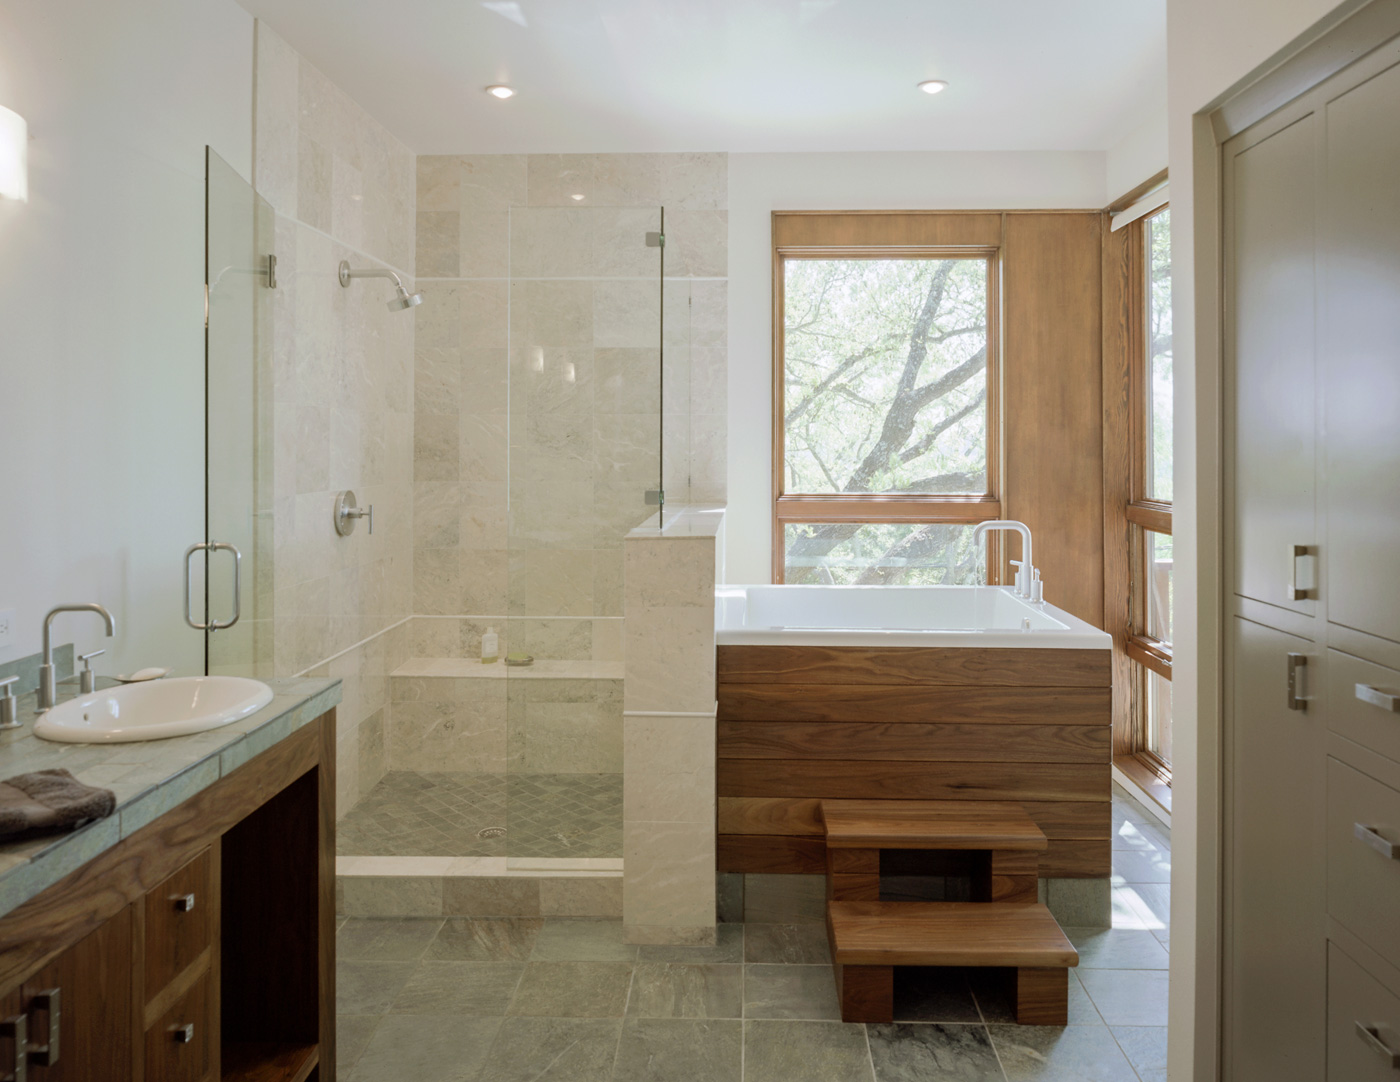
(1042,997)
(866,992)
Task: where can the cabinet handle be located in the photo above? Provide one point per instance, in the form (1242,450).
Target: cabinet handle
(183,1034)
(50,1001)
(1302,572)
(1373,838)
(1296,662)
(1376,697)
(1371,1038)
(16,1029)
(184,903)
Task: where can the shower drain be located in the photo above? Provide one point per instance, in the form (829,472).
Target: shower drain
(491,832)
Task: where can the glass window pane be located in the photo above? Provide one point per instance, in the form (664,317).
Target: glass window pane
(1159,586)
(881,554)
(885,376)
(1159,356)
(1159,716)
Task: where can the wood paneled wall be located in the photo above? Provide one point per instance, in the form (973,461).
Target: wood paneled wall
(798,724)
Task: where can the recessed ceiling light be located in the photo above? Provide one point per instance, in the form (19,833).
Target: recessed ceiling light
(501,92)
(577,197)
(933,86)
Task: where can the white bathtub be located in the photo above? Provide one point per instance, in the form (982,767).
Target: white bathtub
(987,616)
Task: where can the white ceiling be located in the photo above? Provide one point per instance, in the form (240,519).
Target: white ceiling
(740,75)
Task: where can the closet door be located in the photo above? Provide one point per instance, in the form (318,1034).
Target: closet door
(1361,253)
(1273,325)
(1276,898)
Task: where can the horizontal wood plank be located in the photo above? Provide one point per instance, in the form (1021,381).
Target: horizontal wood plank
(913,780)
(1068,819)
(989,825)
(912,703)
(792,855)
(904,229)
(947,934)
(969,742)
(913,665)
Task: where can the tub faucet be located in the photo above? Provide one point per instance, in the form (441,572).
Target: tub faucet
(47,690)
(1027,577)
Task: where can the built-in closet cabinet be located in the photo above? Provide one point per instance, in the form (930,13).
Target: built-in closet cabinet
(1311,854)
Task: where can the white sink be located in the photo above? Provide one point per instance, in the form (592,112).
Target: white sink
(153,710)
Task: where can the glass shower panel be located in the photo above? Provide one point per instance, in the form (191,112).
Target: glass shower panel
(584,459)
(677,377)
(238,425)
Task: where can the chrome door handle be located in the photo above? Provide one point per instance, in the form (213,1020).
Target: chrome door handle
(16,1030)
(1296,662)
(50,1001)
(1371,1038)
(1376,697)
(216,546)
(1302,572)
(1372,837)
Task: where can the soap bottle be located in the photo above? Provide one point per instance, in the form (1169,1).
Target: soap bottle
(490,646)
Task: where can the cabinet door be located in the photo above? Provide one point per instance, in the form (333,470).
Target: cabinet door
(1275,894)
(1274,398)
(1362,344)
(94,1028)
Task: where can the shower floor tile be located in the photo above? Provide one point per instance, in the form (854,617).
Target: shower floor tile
(415,814)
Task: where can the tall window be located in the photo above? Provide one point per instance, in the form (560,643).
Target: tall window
(885,417)
(1150,509)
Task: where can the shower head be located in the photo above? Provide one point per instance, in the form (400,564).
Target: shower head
(402,298)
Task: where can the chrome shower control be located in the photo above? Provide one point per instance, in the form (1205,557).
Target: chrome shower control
(346,512)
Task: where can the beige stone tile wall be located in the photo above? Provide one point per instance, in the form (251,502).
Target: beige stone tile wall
(342,394)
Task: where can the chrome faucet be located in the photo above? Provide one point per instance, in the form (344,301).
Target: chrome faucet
(1027,577)
(47,690)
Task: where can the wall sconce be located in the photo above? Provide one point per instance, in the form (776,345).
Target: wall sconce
(14,156)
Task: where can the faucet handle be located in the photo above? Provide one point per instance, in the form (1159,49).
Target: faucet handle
(87,680)
(8,705)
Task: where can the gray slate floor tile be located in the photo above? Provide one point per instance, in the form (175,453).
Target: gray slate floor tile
(1127,997)
(385,940)
(933,995)
(572,990)
(728,948)
(793,944)
(1145,1046)
(933,1053)
(1054,1054)
(552,1050)
(790,991)
(480,989)
(680,1050)
(352,1034)
(806,1052)
(1117,948)
(994,996)
(582,941)
(426,1048)
(501,939)
(369,987)
(681,990)
(1130,867)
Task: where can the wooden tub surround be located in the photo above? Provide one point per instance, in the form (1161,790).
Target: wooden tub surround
(800,724)
(200,947)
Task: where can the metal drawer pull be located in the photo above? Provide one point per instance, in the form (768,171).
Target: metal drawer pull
(1376,697)
(1371,1037)
(50,1001)
(1296,662)
(1372,837)
(1302,572)
(183,1034)
(16,1030)
(183,902)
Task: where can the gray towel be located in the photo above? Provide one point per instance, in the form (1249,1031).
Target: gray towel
(50,800)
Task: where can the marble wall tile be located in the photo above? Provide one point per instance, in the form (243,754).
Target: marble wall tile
(625,313)
(276,121)
(487,896)
(693,181)
(670,659)
(437,243)
(619,242)
(670,769)
(468,736)
(669,874)
(566,738)
(554,180)
(600,896)
(697,243)
(552,242)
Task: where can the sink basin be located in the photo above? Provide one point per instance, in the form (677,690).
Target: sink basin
(154,710)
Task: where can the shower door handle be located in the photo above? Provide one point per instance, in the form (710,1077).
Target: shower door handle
(215,546)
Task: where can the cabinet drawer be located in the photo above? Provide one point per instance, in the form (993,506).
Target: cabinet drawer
(179,922)
(1356,1001)
(1363,883)
(178,1042)
(1359,704)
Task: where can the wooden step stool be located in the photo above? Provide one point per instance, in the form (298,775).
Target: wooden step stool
(868,939)
(1005,842)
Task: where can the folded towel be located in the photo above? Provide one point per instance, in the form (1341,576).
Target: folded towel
(50,800)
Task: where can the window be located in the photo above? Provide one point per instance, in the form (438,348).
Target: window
(1149,509)
(885,415)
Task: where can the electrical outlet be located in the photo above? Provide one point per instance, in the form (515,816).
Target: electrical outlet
(7,627)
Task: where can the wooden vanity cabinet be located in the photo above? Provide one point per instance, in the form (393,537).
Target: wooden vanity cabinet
(200,948)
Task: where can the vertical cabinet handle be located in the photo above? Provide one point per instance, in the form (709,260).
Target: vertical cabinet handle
(1302,572)
(1296,662)
(1370,1036)
(184,903)
(183,1034)
(1386,700)
(16,1031)
(50,1002)
(1372,837)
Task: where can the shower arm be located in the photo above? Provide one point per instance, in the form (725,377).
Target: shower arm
(346,274)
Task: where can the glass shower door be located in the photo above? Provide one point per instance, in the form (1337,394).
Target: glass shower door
(229,572)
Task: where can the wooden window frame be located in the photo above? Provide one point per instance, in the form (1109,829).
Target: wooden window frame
(883,508)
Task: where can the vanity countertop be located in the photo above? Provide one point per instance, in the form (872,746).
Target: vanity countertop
(148,777)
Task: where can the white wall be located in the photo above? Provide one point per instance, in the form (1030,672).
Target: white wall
(101,301)
(1140,156)
(762,183)
(1212,46)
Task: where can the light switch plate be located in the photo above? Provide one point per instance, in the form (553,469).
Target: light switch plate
(7,627)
